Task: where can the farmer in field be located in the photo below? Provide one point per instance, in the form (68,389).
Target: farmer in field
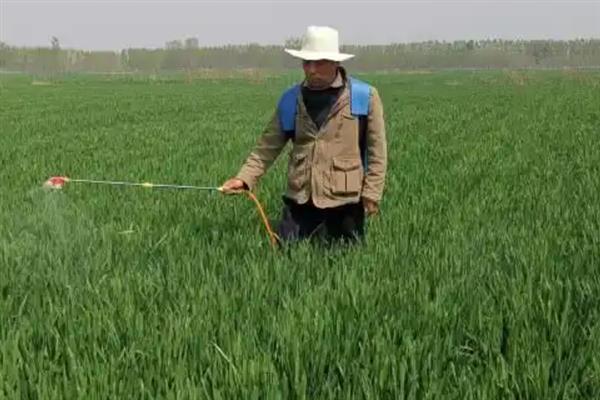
(338,160)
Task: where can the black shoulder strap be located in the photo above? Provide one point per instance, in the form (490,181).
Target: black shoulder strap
(362,137)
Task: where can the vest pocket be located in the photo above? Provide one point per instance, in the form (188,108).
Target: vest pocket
(346,176)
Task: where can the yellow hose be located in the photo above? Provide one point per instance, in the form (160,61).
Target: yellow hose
(272,235)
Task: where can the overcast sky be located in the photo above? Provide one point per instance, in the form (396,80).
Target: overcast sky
(116,24)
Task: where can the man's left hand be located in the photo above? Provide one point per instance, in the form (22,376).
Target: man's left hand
(371,207)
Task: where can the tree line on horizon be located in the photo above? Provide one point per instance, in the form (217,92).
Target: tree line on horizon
(187,55)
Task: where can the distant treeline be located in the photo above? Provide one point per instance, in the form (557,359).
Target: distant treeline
(187,55)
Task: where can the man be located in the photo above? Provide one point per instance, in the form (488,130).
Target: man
(338,160)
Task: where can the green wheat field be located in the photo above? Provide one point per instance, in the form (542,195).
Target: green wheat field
(480,279)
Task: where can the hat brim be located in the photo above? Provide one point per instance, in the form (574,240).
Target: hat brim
(318,55)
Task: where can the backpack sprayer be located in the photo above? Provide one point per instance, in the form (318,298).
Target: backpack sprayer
(58,182)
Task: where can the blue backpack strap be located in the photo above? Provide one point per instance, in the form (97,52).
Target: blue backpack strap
(360,96)
(360,99)
(286,110)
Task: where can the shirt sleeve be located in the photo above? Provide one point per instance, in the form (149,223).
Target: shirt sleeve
(268,147)
(376,141)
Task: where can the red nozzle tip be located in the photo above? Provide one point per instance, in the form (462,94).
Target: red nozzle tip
(56,182)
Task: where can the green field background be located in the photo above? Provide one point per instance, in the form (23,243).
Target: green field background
(479,279)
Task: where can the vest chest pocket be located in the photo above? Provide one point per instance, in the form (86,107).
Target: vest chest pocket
(346,176)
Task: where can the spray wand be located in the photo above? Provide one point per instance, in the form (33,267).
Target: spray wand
(58,182)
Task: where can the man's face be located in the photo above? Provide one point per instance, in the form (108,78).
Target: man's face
(319,74)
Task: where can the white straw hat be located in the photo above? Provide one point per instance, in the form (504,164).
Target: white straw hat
(320,43)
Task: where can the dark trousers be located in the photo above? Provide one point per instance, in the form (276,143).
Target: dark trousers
(303,221)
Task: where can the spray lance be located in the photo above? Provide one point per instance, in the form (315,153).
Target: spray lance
(59,182)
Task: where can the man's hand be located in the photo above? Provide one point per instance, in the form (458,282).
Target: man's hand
(233,186)
(371,207)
